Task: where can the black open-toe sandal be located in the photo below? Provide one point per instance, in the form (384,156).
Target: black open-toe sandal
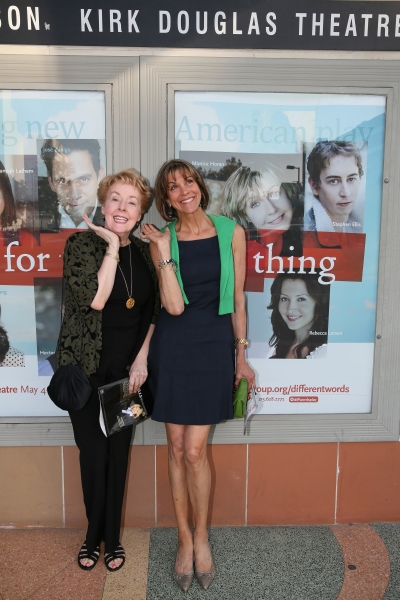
(118,553)
(83,553)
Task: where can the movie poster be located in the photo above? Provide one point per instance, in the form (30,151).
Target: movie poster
(302,174)
(52,157)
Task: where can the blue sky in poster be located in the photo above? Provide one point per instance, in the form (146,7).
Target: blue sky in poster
(281,123)
(27,116)
(288,120)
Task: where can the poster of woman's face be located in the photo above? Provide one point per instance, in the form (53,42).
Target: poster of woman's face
(299,315)
(17,325)
(296,309)
(18,199)
(261,192)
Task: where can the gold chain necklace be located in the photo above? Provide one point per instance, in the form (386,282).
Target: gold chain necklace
(130,303)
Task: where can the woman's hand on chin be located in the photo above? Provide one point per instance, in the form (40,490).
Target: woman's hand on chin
(109,236)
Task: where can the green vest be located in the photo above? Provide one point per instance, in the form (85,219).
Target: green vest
(224,227)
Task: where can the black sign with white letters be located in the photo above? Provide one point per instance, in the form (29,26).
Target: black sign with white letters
(275,24)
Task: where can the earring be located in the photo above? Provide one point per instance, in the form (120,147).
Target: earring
(170,211)
(201,202)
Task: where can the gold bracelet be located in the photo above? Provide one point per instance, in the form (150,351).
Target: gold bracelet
(170,262)
(112,256)
(242,341)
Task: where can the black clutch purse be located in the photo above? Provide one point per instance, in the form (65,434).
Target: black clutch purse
(69,388)
(121,409)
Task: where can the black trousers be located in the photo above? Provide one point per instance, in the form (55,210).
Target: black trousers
(104,463)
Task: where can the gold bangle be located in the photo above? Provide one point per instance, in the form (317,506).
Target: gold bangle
(242,341)
(115,256)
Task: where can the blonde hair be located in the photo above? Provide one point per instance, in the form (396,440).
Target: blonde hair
(236,192)
(126,176)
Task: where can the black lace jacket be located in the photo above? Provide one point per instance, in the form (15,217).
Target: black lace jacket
(80,339)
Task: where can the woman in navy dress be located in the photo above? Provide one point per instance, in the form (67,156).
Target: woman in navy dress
(200,262)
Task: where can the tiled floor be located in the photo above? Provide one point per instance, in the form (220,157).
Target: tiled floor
(341,562)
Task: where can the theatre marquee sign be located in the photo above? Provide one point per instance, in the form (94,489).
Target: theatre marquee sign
(276,24)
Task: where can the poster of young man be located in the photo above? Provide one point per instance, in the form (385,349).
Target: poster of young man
(68,191)
(335,194)
(302,173)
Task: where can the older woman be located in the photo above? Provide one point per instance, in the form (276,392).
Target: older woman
(270,210)
(200,261)
(110,305)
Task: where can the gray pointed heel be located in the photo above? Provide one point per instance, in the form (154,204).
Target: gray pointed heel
(184,580)
(205,578)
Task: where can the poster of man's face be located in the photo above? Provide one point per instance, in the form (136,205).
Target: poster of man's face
(69,175)
(335,192)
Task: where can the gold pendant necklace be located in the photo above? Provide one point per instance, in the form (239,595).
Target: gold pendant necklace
(130,303)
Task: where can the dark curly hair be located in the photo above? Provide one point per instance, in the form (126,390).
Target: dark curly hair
(9,215)
(283,337)
(4,344)
(53,147)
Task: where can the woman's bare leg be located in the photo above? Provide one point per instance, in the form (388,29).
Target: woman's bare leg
(179,490)
(199,485)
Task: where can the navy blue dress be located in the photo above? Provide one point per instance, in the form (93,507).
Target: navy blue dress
(191,359)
